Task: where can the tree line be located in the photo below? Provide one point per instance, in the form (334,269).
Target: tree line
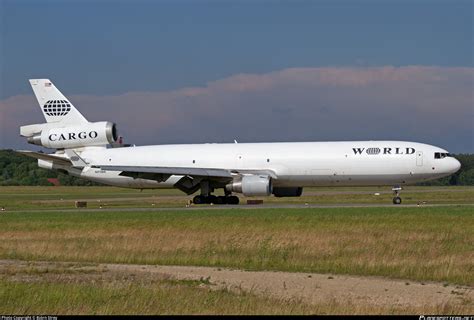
(20,170)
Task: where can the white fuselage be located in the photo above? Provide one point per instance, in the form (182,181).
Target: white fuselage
(247,168)
(295,164)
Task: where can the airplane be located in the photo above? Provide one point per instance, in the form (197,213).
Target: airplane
(89,150)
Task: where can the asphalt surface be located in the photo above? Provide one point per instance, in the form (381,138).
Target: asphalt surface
(241,206)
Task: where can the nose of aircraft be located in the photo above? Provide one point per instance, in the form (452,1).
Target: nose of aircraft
(454,165)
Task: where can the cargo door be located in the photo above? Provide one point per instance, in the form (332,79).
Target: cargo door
(419,158)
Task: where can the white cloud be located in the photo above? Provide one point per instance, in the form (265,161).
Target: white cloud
(427,104)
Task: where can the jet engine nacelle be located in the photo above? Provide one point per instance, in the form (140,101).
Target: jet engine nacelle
(91,134)
(252,185)
(287,191)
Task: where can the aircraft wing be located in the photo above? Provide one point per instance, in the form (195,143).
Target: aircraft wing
(44,156)
(189,183)
(223,174)
(192,176)
(132,171)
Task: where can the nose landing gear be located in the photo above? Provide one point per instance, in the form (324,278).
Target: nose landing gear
(396,191)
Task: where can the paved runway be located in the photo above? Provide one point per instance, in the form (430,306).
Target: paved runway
(242,206)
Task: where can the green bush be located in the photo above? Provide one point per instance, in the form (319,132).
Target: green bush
(20,170)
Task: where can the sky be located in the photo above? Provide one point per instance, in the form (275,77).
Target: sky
(214,71)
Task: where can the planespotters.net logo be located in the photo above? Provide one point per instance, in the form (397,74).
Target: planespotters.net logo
(446,317)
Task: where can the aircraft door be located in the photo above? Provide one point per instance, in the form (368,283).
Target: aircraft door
(240,161)
(419,158)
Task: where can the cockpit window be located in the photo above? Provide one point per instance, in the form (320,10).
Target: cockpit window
(441,155)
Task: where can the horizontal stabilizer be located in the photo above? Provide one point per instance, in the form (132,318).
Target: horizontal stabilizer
(47,157)
(77,161)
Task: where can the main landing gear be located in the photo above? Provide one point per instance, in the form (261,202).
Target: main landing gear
(203,199)
(207,198)
(396,191)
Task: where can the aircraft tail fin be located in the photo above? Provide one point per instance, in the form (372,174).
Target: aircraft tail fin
(54,105)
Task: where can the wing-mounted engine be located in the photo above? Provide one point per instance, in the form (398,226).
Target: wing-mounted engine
(252,185)
(85,135)
(287,192)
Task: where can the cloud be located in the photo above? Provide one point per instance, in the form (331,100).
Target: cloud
(416,103)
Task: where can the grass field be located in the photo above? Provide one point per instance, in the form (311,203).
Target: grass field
(413,243)
(127,297)
(72,290)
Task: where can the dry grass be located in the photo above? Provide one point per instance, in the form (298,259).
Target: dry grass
(166,298)
(76,289)
(426,244)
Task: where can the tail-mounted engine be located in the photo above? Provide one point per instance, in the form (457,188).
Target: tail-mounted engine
(90,134)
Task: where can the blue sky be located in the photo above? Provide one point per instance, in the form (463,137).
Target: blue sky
(104,47)
(107,48)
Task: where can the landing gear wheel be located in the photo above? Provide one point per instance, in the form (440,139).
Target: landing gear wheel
(220,200)
(396,192)
(232,200)
(199,200)
(212,199)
